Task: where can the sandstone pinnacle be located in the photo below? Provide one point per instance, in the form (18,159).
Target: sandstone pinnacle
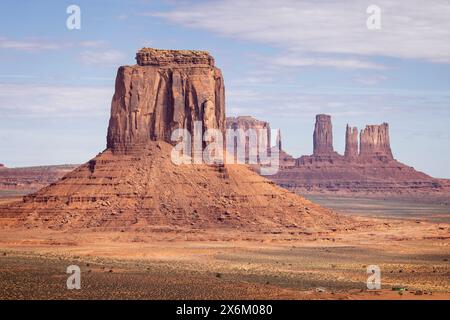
(351,142)
(323,135)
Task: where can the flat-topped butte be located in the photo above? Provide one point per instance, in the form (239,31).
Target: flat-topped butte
(160,57)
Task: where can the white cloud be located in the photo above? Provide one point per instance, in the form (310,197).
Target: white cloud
(291,103)
(370,80)
(409,29)
(26,100)
(35,44)
(29,44)
(93,43)
(296,61)
(104,57)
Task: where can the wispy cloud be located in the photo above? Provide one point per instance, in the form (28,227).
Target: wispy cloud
(26,100)
(298,61)
(409,29)
(370,80)
(94,43)
(294,102)
(103,57)
(34,44)
(30,44)
(18,76)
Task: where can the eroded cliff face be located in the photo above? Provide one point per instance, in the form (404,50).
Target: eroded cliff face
(374,142)
(258,127)
(166,90)
(323,135)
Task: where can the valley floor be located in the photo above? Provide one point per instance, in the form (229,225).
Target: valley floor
(412,251)
(200,266)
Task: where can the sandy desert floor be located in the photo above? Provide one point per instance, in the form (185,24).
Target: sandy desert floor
(212,264)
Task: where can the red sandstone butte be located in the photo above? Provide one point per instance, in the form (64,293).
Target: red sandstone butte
(166,90)
(134,185)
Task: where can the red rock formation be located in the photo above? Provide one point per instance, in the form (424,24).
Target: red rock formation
(2,166)
(247,123)
(374,142)
(351,143)
(323,135)
(134,184)
(167,90)
(373,171)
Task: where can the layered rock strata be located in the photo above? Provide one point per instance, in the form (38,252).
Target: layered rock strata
(28,179)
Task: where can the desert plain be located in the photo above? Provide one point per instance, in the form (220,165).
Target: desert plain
(412,253)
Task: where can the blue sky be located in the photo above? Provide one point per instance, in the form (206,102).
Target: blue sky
(283,61)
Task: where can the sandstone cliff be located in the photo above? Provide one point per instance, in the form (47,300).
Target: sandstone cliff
(166,90)
(257,127)
(374,142)
(246,123)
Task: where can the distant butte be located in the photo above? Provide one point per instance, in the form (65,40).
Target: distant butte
(366,168)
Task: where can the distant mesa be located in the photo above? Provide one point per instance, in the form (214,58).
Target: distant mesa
(246,123)
(27,179)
